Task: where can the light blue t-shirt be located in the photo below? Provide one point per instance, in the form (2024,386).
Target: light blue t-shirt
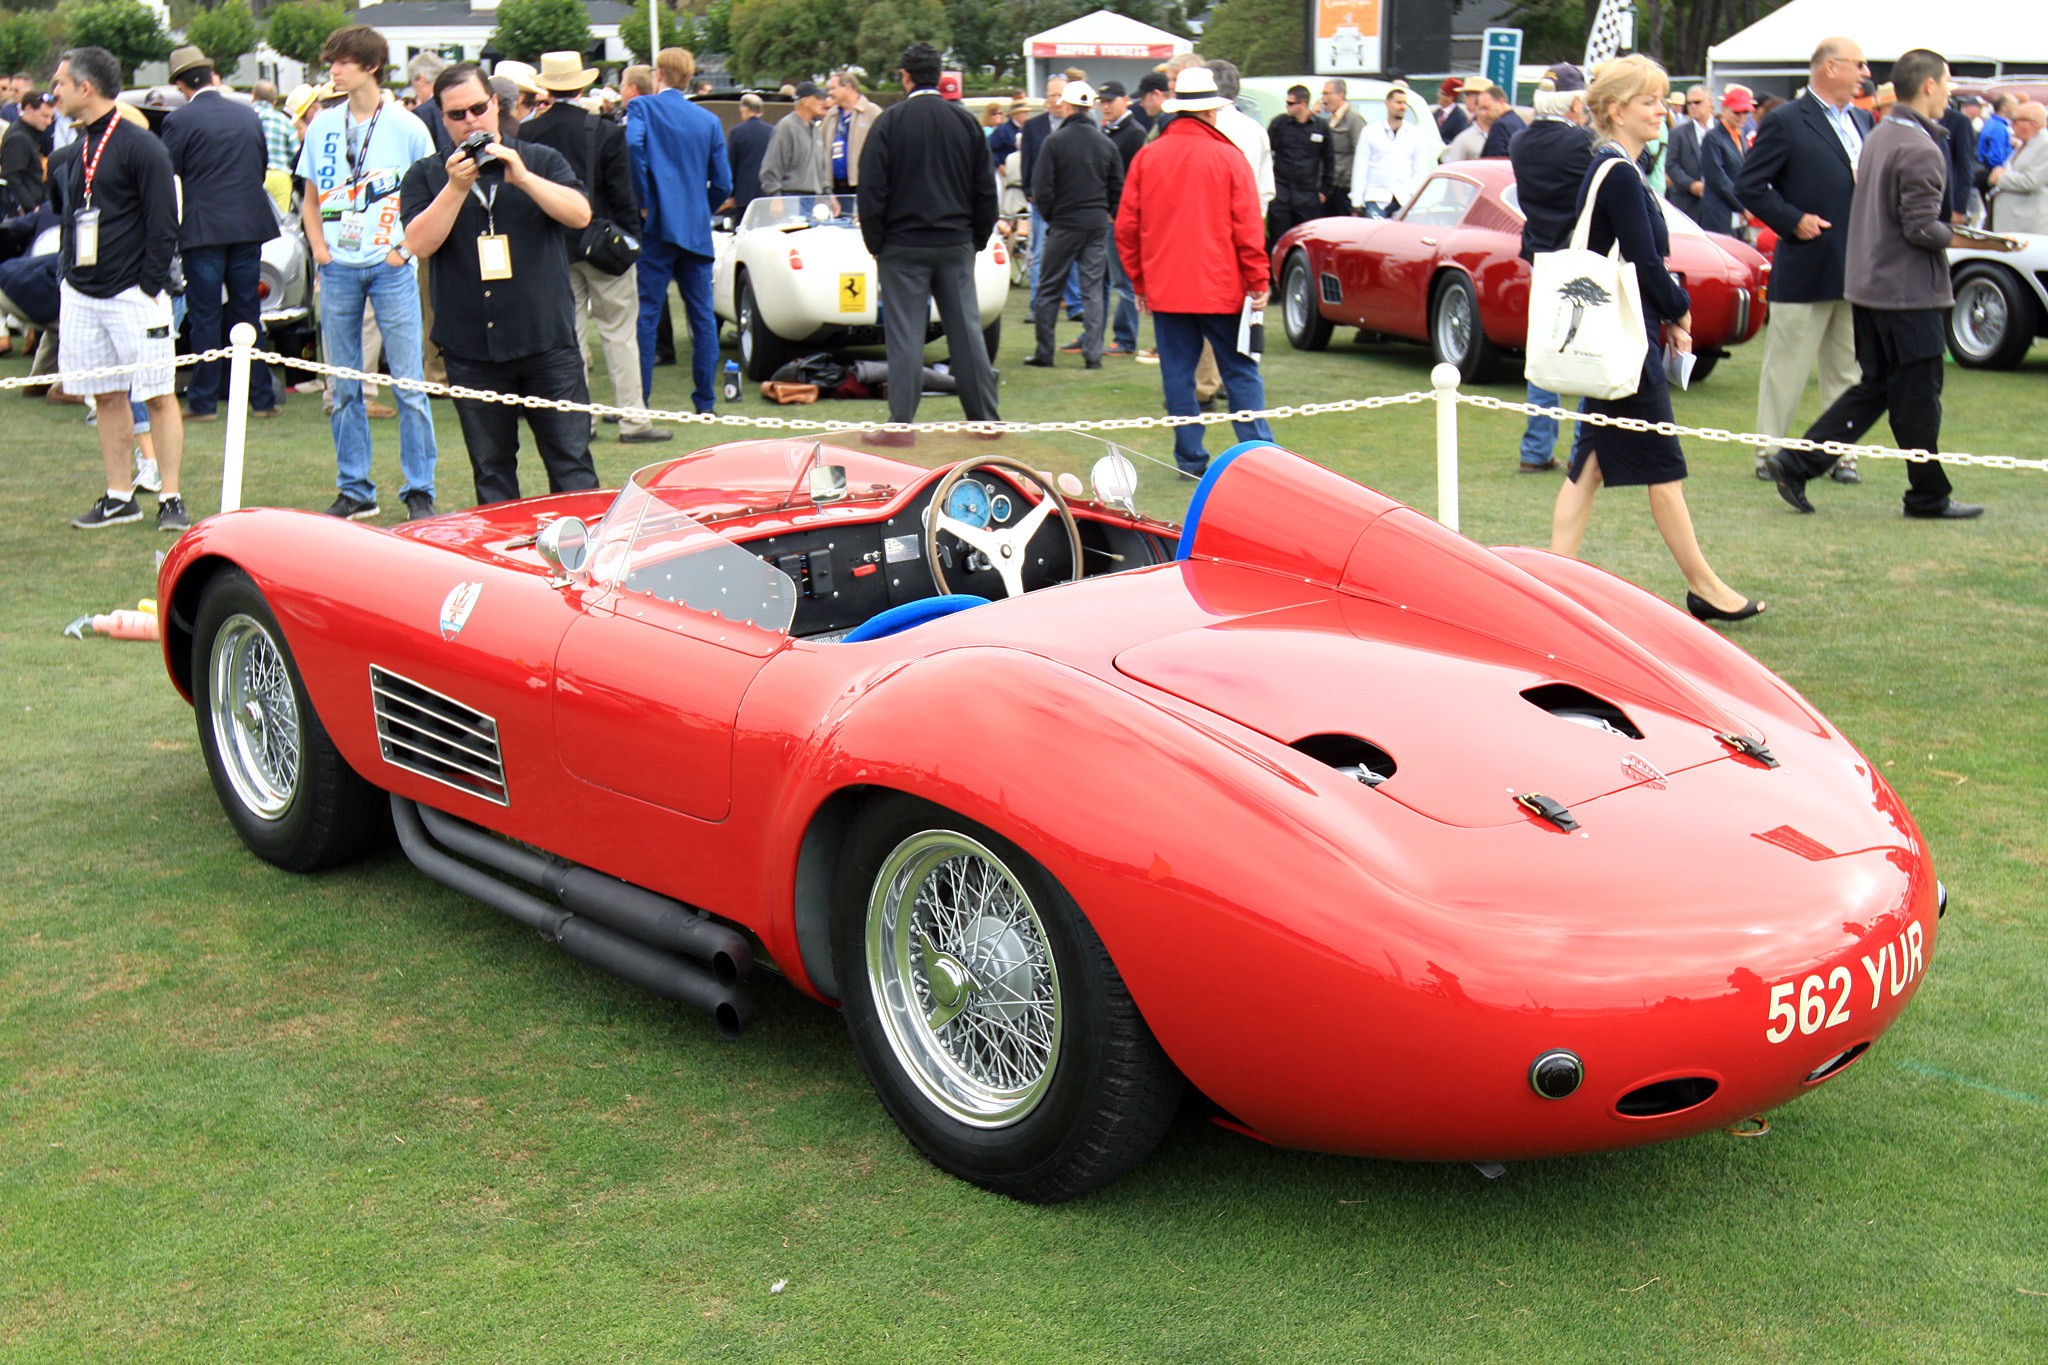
(359,194)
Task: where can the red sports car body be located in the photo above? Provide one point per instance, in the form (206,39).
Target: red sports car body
(1449,272)
(1390,844)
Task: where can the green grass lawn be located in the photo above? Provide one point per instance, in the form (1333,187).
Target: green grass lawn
(246,1116)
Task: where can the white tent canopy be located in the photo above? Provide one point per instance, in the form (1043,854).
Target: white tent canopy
(1110,46)
(2010,37)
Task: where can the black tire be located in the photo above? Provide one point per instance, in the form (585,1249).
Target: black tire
(1456,334)
(762,352)
(1703,364)
(1994,320)
(1102,1091)
(992,338)
(304,812)
(1301,311)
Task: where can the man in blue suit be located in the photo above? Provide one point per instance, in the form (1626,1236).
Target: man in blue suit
(680,174)
(218,150)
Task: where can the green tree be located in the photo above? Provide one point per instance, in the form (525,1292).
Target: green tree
(527,28)
(24,44)
(1675,32)
(889,26)
(226,33)
(299,31)
(779,40)
(985,34)
(714,22)
(677,30)
(1263,37)
(124,28)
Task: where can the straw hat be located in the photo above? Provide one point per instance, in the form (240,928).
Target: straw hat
(560,71)
(1194,90)
(520,74)
(1476,85)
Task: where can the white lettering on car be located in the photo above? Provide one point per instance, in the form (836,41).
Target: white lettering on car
(1802,1005)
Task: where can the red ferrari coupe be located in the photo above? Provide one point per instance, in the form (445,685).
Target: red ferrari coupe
(1388,844)
(1448,271)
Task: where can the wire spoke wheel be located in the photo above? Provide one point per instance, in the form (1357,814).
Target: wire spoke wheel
(1981,317)
(255,717)
(963,978)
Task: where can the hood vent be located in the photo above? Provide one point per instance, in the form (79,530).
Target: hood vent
(1581,707)
(1349,755)
(424,732)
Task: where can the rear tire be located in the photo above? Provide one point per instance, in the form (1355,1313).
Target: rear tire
(287,791)
(1703,364)
(762,352)
(1994,318)
(1456,334)
(989,1018)
(1300,307)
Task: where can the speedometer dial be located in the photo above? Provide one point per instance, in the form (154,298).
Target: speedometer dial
(968,503)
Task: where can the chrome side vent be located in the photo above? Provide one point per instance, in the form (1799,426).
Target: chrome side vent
(436,736)
(1332,287)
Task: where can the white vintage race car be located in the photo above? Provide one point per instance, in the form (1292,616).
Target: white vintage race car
(796,277)
(2001,303)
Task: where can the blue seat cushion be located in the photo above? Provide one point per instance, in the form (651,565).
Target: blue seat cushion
(910,614)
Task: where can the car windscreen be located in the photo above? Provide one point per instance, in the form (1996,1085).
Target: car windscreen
(791,211)
(648,544)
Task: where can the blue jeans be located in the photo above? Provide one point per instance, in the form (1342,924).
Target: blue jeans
(1179,337)
(1539,438)
(1038,231)
(394,292)
(1123,326)
(207,269)
(659,262)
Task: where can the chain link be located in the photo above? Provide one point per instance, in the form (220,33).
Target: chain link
(1475,400)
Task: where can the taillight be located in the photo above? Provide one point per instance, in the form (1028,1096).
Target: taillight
(796,259)
(263,289)
(1001,259)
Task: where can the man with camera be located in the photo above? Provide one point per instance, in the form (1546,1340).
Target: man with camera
(499,219)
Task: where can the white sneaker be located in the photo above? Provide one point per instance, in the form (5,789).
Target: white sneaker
(146,476)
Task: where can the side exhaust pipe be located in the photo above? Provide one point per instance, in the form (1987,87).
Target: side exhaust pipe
(629,958)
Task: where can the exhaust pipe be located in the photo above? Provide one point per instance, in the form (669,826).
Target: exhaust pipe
(657,972)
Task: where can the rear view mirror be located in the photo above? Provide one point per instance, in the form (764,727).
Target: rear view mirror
(828,482)
(1116,482)
(565,545)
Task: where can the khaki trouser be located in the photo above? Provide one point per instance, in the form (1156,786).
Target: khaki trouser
(434,369)
(614,301)
(1799,335)
(1208,379)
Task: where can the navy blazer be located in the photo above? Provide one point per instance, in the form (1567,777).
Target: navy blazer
(1720,164)
(1682,167)
(1962,161)
(1550,160)
(1502,134)
(218,150)
(1799,166)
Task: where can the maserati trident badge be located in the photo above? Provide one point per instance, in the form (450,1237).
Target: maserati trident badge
(456,607)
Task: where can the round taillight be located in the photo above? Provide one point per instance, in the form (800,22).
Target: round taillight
(263,289)
(796,259)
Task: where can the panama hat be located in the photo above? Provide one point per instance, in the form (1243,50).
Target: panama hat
(561,71)
(1476,85)
(521,74)
(1194,90)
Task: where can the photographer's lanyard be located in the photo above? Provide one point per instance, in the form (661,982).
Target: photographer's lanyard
(85,224)
(493,252)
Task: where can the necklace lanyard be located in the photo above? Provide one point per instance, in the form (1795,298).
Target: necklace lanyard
(356,160)
(92,164)
(490,203)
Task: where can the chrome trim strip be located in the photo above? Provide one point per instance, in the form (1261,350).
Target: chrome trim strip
(409,719)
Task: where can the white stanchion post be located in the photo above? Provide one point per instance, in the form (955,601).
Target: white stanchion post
(241,341)
(1444,378)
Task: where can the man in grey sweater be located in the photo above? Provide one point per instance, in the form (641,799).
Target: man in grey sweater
(792,164)
(1898,284)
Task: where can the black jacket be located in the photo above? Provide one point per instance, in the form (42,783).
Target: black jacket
(1682,167)
(1550,160)
(608,185)
(21,170)
(745,145)
(925,178)
(1453,122)
(138,203)
(1079,177)
(428,111)
(1037,129)
(1628,213)
(1304,160)
(1962,160)
(1129,135)
(1798,166)
(1720,166)
(217,148)
(1502,135)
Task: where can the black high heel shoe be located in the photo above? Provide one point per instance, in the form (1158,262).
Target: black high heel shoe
(1703,610)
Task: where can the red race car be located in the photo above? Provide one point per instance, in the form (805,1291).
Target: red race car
(1388,844)
(1448,271)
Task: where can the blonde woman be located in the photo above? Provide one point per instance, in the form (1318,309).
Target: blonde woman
(1626,102)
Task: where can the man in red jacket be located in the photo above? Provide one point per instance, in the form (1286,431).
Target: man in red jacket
(1192,239)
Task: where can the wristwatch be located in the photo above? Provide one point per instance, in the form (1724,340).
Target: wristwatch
(405,257)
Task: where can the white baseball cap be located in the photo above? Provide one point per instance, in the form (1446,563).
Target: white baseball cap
(1080,94)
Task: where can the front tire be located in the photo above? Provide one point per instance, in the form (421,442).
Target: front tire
(988,1016)
(1993,321)
(1703,364)
(1456,334)
(762,352)
(287,791)
(1301,313)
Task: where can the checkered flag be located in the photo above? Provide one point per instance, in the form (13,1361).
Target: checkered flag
(1604,42)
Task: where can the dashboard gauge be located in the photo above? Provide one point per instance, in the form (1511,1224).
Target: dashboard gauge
(999,507)
(968,503)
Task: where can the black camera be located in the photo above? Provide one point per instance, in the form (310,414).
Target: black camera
(473,148)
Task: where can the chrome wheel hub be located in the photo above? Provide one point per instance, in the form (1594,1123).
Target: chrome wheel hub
(1297,302)
(255,717)
(963,979)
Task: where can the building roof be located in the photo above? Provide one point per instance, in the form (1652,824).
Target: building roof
(458,14)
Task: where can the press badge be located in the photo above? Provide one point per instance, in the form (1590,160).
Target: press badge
(349,239)
(85,237)
(494,256)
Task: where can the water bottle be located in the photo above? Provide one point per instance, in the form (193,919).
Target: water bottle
(732,381)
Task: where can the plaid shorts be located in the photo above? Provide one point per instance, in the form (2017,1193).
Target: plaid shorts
(128,329)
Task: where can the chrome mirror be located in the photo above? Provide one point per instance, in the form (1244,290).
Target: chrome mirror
(565,545)
(1116,482)
(828,482)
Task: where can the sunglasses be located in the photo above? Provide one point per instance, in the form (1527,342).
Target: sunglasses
(467,111)
(31,101)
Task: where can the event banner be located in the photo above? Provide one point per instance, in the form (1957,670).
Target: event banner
(1347,36)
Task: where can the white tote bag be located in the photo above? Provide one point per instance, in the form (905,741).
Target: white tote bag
(1585,314)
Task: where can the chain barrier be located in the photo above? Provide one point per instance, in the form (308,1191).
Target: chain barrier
(1486,402)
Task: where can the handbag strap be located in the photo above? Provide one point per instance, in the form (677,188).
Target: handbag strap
(1583,232)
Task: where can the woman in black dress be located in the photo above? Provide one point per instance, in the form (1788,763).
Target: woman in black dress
(1626,101)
